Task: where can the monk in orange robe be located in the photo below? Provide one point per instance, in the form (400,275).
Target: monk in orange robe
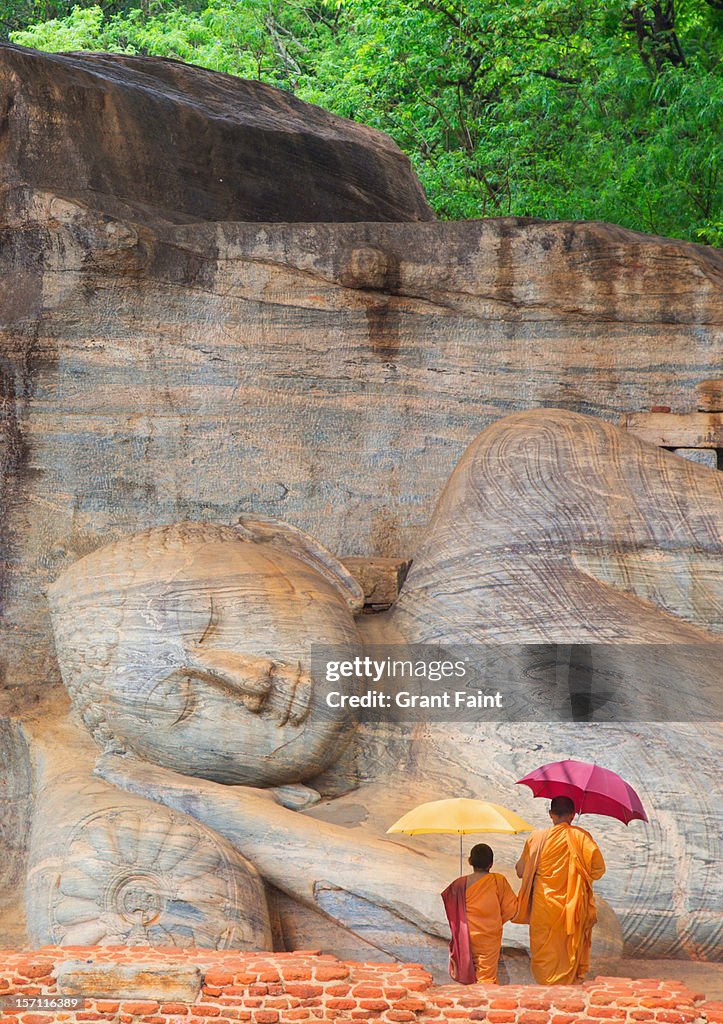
(477,906)
(557,867)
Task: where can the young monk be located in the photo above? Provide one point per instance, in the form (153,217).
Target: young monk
(477,906)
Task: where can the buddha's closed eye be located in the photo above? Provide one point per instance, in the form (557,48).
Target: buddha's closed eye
(275,689)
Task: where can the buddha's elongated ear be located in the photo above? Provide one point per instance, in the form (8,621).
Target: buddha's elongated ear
(263,529)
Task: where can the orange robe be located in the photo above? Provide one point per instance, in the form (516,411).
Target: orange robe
(560,865)
(490,902)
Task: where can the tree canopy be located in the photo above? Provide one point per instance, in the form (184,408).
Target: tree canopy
(575,109)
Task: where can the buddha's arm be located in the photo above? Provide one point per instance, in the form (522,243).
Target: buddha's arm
(302,856)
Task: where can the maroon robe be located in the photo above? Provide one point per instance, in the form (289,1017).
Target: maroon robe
(461,964)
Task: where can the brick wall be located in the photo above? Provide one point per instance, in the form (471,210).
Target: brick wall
(305,986)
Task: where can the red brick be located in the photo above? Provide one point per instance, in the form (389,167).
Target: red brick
(367,991)
(218,978)
(207,1010)
(36,1018)
(344,990)
(409,1003)
(373,1004)
(297,973)
(300,1014)
(341,1004)
(331,972)
(266,1016)
(534,1017)
(563,1018)
(177,1008)
(502,1003)
(269,976)
(501,1016)
(34,969)
(568,1004)
(304,991)
(400,1015)
(138,1008)
(104,1006)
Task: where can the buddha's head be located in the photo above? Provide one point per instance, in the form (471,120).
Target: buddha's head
(190,646)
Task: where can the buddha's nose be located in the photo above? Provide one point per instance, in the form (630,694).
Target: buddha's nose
(283,690)
(246,675)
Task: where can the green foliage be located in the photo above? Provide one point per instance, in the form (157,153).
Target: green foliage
(607,109)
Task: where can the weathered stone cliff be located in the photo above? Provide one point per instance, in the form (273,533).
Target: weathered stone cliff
(163,359)
(330,375)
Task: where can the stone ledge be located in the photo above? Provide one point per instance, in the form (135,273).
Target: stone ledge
(139,980)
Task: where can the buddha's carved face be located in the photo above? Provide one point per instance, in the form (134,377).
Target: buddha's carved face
(190,646)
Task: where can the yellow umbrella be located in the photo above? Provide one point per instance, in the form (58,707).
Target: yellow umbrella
(459,816)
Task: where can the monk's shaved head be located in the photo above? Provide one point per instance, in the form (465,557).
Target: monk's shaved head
(562,807)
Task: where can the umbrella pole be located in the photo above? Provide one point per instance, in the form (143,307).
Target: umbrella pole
(460,853)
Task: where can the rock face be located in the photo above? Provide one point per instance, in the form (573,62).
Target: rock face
(165,362)
(329,375)
(156,139)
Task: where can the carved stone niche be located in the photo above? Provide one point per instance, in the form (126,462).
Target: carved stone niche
(189,645)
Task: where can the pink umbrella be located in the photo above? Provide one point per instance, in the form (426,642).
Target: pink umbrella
(593,790)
